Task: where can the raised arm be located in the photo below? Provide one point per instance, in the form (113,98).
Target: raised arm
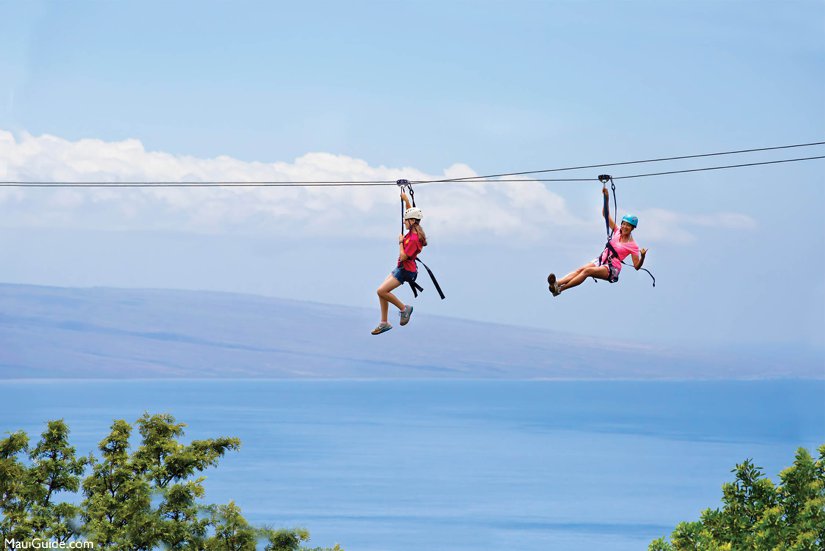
(639,259)
(606,209)
(402,255)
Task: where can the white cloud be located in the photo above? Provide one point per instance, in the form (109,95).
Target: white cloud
(668,226)
(525,210)
(453,209)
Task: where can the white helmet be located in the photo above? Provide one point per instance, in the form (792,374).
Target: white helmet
(413,213)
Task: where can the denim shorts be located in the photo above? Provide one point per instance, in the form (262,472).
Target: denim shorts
(404,276)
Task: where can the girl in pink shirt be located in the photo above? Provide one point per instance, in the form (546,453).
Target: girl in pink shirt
(409,246)
(609,263)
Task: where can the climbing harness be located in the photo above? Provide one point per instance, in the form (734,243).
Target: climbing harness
(609,251)
(416,288)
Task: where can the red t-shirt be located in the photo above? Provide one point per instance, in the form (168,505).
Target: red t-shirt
(412,246)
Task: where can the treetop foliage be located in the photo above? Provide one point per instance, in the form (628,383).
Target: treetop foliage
(143,499)
(759,515)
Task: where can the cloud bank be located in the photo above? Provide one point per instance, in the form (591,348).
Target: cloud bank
(525,210)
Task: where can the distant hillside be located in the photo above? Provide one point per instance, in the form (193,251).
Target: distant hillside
(48,332)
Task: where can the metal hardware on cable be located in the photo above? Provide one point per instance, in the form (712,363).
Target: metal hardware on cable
(405,184)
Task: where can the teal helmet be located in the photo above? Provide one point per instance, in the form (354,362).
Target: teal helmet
(630,219)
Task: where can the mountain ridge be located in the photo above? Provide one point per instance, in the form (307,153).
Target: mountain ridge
(104,332)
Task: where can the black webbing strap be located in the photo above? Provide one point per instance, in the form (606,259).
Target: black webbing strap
(415,288)
(604,178)
(432,277)
(401,185)
(645,269)
(610,252)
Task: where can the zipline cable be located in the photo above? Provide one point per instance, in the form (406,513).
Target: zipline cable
(488,176)
(195,183)
(334,183)
(683,171)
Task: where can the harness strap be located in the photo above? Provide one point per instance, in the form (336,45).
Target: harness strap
(401,184)
(432,277)
(415,288)
(645,269)
(604,178)
(610,252)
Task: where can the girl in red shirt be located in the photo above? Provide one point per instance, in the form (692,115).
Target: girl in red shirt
(409,246)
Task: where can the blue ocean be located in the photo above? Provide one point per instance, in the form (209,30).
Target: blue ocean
(459,465)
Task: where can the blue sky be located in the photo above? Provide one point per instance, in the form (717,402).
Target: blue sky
(391,89)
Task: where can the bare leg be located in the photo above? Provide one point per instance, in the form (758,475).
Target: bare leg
(599,272)
(385,296)
(574,273)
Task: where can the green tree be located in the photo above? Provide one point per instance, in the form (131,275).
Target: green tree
(168,466)
(117,508)
(745,501)
(140,500)
(54,468)
(15,522)
(758,515)
(30,480)
(803,501)
(290,540)
(231,531)
(689,535)
(660,544)
(149,497)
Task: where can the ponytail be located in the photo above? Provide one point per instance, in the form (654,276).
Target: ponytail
(419,231)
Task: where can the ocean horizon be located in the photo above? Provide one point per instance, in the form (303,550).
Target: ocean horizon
(457,465)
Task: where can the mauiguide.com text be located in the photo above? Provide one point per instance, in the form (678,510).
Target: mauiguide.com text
(37,543)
